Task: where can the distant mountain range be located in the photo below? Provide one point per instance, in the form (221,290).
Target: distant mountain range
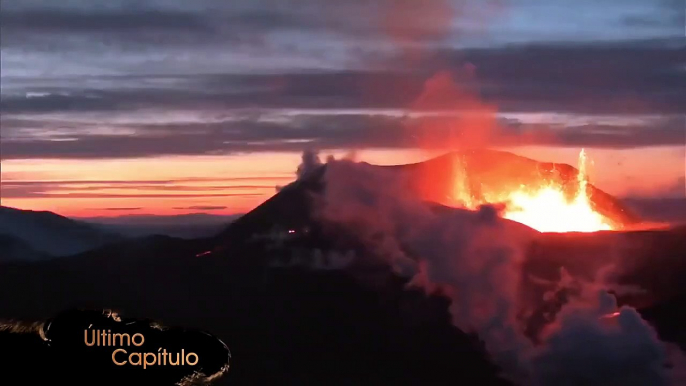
(669,210)
(28,234)
(37,235)
(186,226)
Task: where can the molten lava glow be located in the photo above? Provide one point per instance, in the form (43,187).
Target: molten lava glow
(544,208)
(547,210)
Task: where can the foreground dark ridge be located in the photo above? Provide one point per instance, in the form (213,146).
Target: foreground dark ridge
(302,326)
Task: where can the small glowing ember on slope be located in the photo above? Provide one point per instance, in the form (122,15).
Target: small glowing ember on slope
(610,316)
(544,208)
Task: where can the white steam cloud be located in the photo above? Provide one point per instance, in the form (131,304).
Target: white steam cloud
(596,345)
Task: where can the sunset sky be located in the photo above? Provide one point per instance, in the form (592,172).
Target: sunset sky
(171,107)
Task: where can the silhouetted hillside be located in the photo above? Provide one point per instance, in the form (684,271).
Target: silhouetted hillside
(282,325)
(12,248)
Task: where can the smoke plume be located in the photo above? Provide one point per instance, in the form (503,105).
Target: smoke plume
(475,258)
(310,161)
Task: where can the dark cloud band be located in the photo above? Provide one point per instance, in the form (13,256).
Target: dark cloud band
(334,132)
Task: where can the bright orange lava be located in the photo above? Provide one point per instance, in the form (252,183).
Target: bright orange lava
(544,208)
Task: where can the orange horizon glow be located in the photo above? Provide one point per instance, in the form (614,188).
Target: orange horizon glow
(241,182)
(167,185)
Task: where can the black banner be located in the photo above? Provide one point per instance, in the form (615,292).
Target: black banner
(95,347)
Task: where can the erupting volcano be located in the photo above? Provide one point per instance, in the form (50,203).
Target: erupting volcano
(548,210)
(547,205)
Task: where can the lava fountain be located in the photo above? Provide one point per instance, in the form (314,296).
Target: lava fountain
(545,207)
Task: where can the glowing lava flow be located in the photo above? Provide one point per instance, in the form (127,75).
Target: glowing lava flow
(545,209)
(549,211)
